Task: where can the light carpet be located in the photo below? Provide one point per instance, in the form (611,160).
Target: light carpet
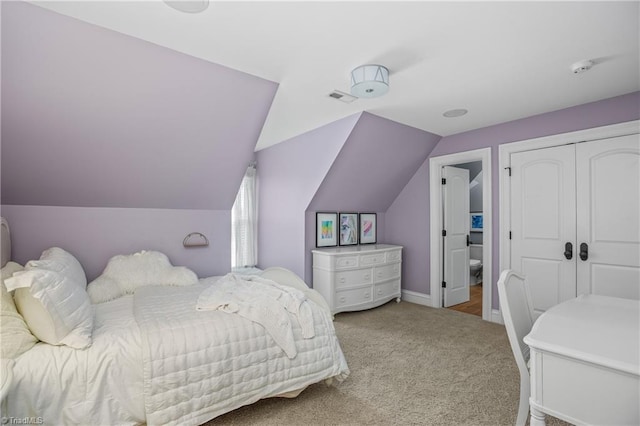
(410,365)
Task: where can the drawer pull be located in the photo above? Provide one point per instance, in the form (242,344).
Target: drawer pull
(379,274)
(342,300)
(367,277)
(366,295)
(343,280)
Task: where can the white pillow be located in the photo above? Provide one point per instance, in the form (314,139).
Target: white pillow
(124,274)
(58,260)
(50,294)
(15,335)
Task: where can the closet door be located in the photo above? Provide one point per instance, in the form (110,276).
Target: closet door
(608,217)
(543,222)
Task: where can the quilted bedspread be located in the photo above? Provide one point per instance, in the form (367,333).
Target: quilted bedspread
(201,364)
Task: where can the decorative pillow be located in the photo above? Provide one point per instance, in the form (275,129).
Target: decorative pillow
(50,294)
(124,274)
(16,337)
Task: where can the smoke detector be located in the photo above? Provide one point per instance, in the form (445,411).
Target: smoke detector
(581,66)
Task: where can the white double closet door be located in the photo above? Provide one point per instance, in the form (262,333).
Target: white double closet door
(575,219)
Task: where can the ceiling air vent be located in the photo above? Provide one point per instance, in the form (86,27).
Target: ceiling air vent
(342,97)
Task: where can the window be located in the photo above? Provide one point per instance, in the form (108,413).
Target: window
(244,223)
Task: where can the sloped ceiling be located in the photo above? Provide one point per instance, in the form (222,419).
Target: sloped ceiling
(376,162)
(95,118)
(501,60)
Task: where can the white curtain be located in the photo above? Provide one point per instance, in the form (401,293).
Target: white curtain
(244,223)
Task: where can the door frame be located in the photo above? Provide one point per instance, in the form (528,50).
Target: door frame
(504,163)
(436,220)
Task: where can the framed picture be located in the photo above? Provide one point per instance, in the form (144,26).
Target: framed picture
(368,228)
(348,229)
(476,222)
(326,229)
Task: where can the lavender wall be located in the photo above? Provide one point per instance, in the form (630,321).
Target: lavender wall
(122,133)
(376,162)
(411,208)
(289,175)
(95,118)
(407,224)
(94,235)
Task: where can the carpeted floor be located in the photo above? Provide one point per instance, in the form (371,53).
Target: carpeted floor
(410,365)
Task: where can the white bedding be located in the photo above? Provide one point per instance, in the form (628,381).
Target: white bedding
(156,359)
(102,384)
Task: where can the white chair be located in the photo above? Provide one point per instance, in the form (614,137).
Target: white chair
(517,312)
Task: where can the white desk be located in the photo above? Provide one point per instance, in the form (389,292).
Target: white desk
(585,362)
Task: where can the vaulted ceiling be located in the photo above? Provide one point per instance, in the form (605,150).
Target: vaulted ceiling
(500,60)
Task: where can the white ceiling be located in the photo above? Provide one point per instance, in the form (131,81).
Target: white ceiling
(500,60)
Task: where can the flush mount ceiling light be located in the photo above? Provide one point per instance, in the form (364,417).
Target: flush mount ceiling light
(369,81)
(188,6)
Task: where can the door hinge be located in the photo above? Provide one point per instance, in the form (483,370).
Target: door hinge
(444,232)
(444,284)
(444,181)
(508,168)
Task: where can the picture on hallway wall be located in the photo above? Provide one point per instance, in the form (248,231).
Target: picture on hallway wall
(348,229)
(476,222)
(368,228)
(326,229)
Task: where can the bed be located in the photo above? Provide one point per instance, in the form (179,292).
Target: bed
(154,358)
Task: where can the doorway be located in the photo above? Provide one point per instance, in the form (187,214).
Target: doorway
(436,165)
(464,271)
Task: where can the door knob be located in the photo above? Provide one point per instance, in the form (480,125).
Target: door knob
(584,251)
(568,251)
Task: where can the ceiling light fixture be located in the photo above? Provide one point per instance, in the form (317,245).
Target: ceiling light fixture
(452,113)
(188,6)
(369,81)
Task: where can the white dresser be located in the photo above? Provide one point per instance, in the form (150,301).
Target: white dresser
(354,278)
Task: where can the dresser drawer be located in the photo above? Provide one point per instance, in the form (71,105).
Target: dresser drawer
(353,297)
(344,262)
(387,290)
(372,259)
(386,272)
(394,256)
(346,279)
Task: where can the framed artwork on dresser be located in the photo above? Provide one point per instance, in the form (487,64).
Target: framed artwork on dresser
(326,229)
(368,228)
(348,229)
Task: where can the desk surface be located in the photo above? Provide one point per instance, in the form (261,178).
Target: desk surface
(598,329)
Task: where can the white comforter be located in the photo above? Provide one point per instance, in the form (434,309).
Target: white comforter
(156,359)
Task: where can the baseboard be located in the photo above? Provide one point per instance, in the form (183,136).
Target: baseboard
(417,298)
(496,316)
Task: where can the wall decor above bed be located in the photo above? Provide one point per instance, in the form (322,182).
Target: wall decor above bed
(195,239)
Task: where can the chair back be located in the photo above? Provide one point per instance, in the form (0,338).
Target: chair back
(517,312)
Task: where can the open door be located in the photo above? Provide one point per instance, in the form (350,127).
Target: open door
(456,222)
